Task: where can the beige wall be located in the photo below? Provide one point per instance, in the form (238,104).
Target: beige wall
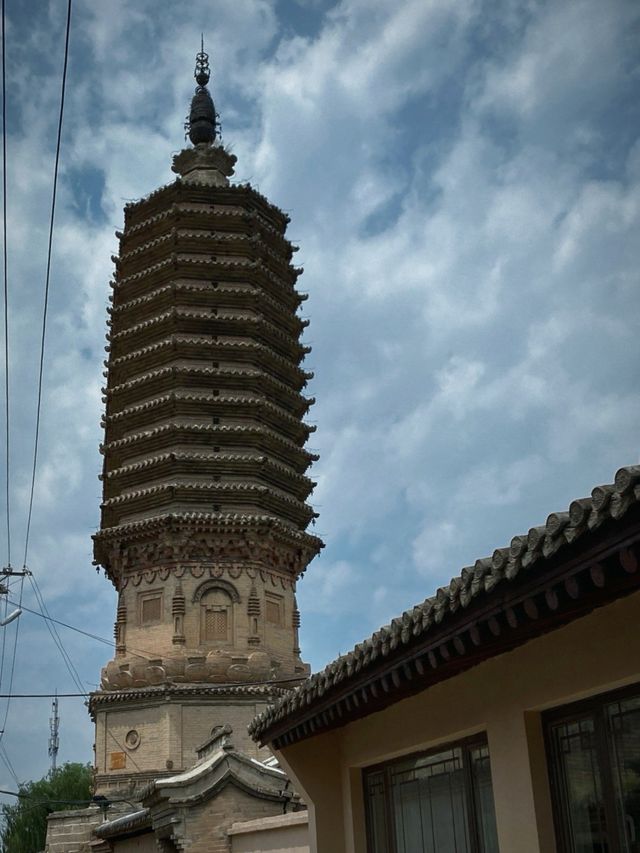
(281,834)
(503,697)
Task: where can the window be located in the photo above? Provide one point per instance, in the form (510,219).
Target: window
(150,608)
(593,749)
(436,802)
(274,607)
(216,617)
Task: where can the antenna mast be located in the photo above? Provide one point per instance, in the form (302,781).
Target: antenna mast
(54,740)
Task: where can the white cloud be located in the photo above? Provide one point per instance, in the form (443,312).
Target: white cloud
(466,205)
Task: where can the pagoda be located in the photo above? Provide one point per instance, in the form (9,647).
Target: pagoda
(204,517)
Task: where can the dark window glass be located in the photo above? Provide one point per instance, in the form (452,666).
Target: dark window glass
(594,762)
(376,812)
(483,796)
(439,802)
(581,786)
(623,720)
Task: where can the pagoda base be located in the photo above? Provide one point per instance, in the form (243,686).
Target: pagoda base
(144,734)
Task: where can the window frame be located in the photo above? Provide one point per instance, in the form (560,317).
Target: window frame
(466,745)
(228,608)
(593,707)
(275,600)
(146,596)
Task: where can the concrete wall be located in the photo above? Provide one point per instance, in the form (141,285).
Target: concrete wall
(503,697)
(288,833)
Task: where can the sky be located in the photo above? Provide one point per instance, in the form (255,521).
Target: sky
(463,180)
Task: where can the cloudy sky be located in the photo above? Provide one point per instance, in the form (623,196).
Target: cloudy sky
(463,179)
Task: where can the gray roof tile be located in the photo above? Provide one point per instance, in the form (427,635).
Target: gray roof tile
(609,501)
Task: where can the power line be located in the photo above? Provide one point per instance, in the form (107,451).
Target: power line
(55,636)
(67,659)
(7,763)
(13,665)
(4,757)
(47,279)
(82,695)
(66,625)
(4,635)
(6,284)
(48,618)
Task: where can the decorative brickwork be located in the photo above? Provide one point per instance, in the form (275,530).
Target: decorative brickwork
(204,515)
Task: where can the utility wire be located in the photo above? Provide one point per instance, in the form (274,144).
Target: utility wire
(47,279)
(47,616)
(73,672)
(50,618)
(13,665)
(55,636)
(4,637)
(4,757)
(44,695)
(6,284)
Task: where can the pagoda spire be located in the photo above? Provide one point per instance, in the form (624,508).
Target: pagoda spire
(202,121)
(208,162)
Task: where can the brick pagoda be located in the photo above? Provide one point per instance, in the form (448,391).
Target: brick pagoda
(204,522)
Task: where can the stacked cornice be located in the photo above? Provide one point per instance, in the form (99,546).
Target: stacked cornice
(204,377)
(204,512)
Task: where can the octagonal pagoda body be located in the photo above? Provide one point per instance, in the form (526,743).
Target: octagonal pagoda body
(204,520)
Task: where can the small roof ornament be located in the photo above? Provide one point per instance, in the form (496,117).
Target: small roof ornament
(202,121)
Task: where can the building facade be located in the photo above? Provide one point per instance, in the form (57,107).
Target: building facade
(500,714)
(204,521)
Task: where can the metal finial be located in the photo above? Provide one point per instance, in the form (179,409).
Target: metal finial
(202,72)
(202,121)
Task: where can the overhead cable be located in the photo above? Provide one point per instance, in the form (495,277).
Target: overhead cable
(46,285)
(13,665)
(4,757)
(48,618)
(55,636)
(73,672)
(6,286)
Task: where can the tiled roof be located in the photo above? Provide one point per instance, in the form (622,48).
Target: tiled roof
(206,397)
(209,520)
(221,458)
(525,552)
(172,341)
(217,429)
(108,697)
(184,207)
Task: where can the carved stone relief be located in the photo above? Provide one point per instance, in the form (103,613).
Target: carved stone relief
(217,571)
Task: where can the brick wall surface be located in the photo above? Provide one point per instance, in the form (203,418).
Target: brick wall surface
(70,831)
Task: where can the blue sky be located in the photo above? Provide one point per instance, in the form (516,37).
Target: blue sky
(463,179)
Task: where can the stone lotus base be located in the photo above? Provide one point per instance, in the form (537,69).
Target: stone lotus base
(214,667)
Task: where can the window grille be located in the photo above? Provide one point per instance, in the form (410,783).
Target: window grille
(151,609)
(216,624)
(436,802)
(273,610)
(593,750)
(216,617)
